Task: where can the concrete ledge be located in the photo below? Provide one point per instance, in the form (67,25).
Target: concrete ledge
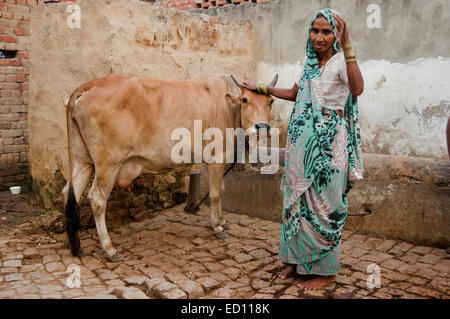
(407,197)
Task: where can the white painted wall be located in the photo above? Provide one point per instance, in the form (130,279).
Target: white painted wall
(404,108)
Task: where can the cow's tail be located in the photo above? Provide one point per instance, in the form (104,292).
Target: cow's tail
(72,210)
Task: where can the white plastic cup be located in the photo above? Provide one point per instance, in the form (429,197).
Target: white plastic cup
(15,190)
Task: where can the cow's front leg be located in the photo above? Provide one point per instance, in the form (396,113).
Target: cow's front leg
(222,221)
(215,179)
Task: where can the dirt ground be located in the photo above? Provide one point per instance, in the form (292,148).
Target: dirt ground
(175,255)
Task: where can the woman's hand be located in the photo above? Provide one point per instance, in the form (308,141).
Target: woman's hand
(342,31)
(249,86)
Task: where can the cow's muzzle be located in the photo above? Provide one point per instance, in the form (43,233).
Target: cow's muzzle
(262,125)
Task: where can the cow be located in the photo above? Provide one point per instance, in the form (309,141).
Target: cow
(118,126)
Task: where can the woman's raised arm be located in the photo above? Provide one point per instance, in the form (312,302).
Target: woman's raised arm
(355,79)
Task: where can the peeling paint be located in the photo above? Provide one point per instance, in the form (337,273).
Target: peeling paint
(380,82)
(405,115)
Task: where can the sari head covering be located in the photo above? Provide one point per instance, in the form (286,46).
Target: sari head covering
(309,153)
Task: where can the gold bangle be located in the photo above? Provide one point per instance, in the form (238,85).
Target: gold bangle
(349,53)
(350,57)
(350,60)
(347,47)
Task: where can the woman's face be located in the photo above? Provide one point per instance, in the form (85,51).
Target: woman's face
(321,35)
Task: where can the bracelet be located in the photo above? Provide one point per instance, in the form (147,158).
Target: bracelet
(261,90)
(348,53)
(350,60)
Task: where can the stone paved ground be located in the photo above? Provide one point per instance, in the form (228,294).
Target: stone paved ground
(174,255)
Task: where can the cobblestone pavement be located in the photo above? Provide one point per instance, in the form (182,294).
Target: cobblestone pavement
(175,255)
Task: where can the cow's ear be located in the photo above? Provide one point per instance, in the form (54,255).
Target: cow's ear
(231,99)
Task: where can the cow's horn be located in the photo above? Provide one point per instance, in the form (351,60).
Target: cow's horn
(238,83)
(274,81)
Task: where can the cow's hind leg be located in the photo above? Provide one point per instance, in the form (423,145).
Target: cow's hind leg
(82,175)
(215,178)
(99,193)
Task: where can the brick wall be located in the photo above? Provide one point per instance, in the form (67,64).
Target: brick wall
(14,31)
(201,4)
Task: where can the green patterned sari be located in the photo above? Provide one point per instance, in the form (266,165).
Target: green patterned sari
(323,159)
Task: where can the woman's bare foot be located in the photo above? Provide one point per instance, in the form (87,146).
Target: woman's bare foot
(287,272)
(317,283)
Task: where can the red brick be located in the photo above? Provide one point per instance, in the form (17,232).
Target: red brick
(7,15)
(9,86)
(11,62)
(8,38)
(21,78)
(11,78)
(5,126)
(5,93)
(19,32)
(9,101)
(12,69)
(9,118)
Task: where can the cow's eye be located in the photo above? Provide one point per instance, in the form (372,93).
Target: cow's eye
(244,100)
(271,102)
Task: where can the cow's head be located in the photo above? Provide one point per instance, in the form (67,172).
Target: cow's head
(253,108)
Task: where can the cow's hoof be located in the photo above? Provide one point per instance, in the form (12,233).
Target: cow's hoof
(81,253)
(192,209)
(115,258)
(221,235)
(225,226)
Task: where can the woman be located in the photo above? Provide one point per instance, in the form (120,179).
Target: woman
(323,152)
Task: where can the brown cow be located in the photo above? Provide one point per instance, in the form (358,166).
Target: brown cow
(117,126)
